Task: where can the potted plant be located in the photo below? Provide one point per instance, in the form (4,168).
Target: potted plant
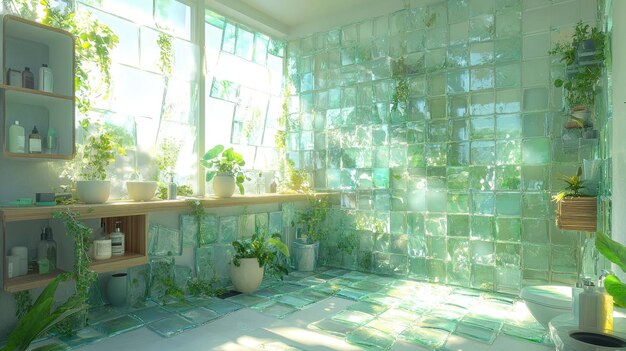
(575,211)
(312,221)
(255,255)
(584,57)
(89,168)
(224,168)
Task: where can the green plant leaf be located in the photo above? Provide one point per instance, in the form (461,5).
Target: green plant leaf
(241,188)
(616,288)
(558,83)
(612,250)
(214,152)
(210,175)
(280,246)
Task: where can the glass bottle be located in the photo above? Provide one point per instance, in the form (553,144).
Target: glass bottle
(172,189)
(52,249)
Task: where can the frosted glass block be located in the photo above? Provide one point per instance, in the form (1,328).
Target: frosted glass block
(165,241)
(508,24)
(415,41)
(458,226)
(437,247)
(482,178)
(508,255)
(458,130)
(480,7)
(536,72)
(138,277)
(370,338)
(398,22)
(483,277)
(482,227)
(228,229)
(436,154)
(458,33)
(458,81)
(508,126)
(118,325)
(397,45)
(458,10)
(437,84)
(508,229)
(435,59)
(482,128)
(535,99)
(536,151)
(535,256)
(482,152)
(535,231)
(436,201)
(564,259)
(508,49)
(436,38)
(458,203)
(397,156)
(508,152)
(458,56)
(483,203)
(508,75)
(436,270)
(535,124)
(482,104)
(458,155)
(535,205)
(508,177)
(481,53)
(482,28)
(458,105)
(536,178)
(536,45)
(476,332)
(437,108)
(457,177)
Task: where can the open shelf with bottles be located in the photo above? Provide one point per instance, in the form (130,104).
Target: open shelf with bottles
(30,44)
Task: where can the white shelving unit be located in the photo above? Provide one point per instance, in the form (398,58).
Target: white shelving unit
(30,44)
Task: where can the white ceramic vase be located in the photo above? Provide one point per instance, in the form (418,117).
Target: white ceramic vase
(117,289)
(141,190)
(224,185)
(248,276)
(93,191)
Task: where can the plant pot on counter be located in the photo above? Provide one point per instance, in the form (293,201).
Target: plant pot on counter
(117,289)
(305,255)
(248,276)
(93,191)
(224,185)
(577,213)
(141,190)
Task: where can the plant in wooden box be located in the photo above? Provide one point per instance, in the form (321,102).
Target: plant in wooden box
(584,57)
(575,211)
(312,220)
(224,167)
(88,169)
(255,255)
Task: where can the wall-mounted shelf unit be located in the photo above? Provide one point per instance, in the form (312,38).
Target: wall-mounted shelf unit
(133,221)
(30,44)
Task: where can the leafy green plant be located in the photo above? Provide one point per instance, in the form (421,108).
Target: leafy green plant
(573,188)
(581,85)
(23,303)
(166,159)
(220,161)
(401,92)
(616,253)
(266,249)
(313,219)
(202,287)
(348,243)
(41,317)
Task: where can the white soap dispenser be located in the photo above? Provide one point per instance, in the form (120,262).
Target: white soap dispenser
(117,241)
(596,308)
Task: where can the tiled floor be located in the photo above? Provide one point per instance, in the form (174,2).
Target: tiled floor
(328,310)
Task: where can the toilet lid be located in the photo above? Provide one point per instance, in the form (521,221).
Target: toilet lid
(549,295)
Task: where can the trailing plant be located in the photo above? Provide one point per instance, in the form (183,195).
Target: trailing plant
(41,316)
(348,242)
(313,219)
(266,249)
(163,275)
(166,55)
(401,92)
(217,160)
(573,188)
(616,253)
(581,86)
(83,275)
(23,303)
(202,287)
(197,211)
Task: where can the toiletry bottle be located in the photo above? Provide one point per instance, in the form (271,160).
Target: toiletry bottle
(117,241)
(172,189)
(34,142)
(42,247)
(51,141)
(52,249)
(28,78)
(45,78)
(589,308)
(273,186)
(17,138)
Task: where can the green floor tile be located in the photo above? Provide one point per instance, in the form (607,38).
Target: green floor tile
(171,326)
(370,339)
(353,317)
(333,327)
(118,325)
(427,337)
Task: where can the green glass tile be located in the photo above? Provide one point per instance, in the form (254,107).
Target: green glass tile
(179,306)
(367,307)
(151,314)
(247,300)
(277,309)
(508,204)
(508,75)
(391,328)
(535,231)
(217,305)
(118,325)
(458,203)
(508,229)
(102,313)
(171,326)
(482,178)
(508,254)
(439,323)
(200,315)
(84,336)
(508,152)
(536,151)
(353,317)
(508,177)
(293,299)
(427,337)
(333,327)
(370,338)
(524,333)
(482,277)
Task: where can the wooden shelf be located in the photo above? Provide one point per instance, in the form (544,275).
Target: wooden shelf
(118,263)
(129,208)
(37,156)
(33,96)
(29,281)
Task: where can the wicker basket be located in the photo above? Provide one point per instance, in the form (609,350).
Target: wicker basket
(577,213)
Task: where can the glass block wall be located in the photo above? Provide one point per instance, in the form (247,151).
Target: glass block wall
(442,130)
(244,95)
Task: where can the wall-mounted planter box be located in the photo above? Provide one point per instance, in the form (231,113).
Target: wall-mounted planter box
(577,213)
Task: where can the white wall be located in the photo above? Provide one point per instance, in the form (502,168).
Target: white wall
(619,124)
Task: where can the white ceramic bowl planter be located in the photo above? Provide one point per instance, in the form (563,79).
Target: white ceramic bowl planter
(224,185)
(248,276)
(93,191)
(141,190)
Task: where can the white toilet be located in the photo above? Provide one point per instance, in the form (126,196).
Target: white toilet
(547,301)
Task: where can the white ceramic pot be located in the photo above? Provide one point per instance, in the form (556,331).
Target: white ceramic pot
(117,289)
(248,276)
(141,190)
(93,191)
(224,185)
